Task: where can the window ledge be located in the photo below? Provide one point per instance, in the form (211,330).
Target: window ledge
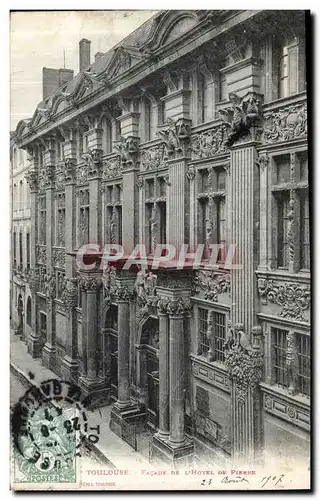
(298,399)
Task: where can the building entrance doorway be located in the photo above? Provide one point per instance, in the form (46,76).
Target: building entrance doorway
(19,329)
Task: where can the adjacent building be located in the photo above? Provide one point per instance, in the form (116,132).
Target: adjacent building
(20,296)
(192,130)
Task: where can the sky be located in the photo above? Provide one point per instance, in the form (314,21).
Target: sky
(44,39)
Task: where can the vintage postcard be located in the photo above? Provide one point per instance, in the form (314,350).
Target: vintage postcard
(160,253)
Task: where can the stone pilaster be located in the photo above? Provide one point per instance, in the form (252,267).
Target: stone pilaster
(91,383)
(128,153)
(244,362)
(244,196)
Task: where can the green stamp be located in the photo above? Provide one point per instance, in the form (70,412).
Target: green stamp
(49,449)
(49,425)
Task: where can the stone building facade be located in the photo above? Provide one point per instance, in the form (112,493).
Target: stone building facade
(20,295)
(193,130)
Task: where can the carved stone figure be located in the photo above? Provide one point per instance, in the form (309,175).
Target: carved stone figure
(242,116)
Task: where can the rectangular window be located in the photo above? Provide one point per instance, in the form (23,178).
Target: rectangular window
(149,229)
(21,250)
(303,368)
(149,188)
(279,342)
(15,249)
(163,216)
(303,165)
(283,209)
(204,181)
(283,168)
(203,97)
(119,225)
(284,73)
(42,238)
(221,227)
(28,250)
(219,335)
(203,219)
(203,341)
(84,217)
(223,87)
(162,186)
(221,180)
(304,231)
(109,194)
(147,109)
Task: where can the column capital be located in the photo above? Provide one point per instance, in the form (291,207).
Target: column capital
(178,308)
(90,282)
(32,180)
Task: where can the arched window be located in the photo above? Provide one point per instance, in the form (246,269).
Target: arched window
(29,313)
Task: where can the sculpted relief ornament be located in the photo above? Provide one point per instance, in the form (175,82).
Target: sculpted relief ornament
(293,298)
(112,169)
(152,158)
(210,142)
(244,360)
(285,124)
(69,295)
(213,284)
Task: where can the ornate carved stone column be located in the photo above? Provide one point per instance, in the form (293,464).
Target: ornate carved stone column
(90,381)
(244,361)
(49,349)
(123,348)
(163,368)
(244,197)
(176,309)
(69,365)
(33,341)
(170,443)
(125,411)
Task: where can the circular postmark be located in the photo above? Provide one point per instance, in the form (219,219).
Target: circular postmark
(49,424)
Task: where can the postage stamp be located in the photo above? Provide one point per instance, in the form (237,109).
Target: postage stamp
(49,425)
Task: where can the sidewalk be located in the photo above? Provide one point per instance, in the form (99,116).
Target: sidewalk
(114,449)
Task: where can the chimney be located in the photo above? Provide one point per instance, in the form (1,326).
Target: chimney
(84,54)
(53,78)
(98,55)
